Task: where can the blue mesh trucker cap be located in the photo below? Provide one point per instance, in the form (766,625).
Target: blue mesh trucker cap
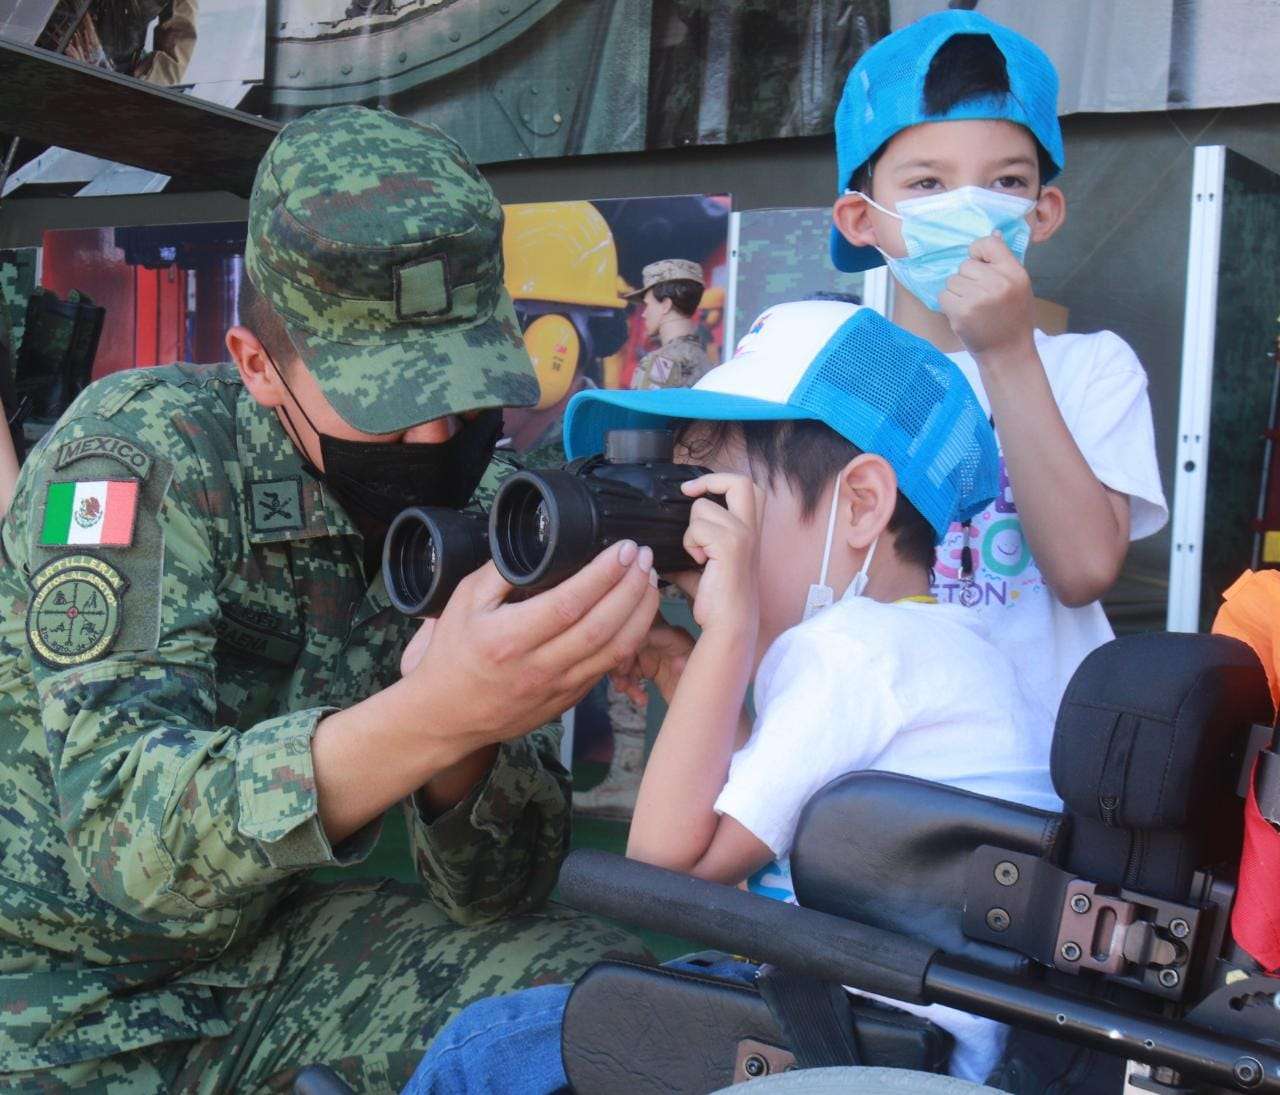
(885,390)
(884,95)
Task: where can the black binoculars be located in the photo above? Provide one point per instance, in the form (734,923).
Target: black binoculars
(546,525)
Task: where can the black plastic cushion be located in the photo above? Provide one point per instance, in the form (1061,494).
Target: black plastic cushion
(893,851)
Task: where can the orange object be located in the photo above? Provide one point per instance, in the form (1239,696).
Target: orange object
(1250,613)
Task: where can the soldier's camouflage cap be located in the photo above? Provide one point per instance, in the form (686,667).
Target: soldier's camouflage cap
(667,270)
(379,244)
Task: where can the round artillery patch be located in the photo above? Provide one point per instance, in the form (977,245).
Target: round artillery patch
(75,613)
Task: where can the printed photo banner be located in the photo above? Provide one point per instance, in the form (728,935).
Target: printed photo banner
(544,78)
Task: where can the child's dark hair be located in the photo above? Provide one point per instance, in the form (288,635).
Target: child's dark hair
(256,313)
(966,67)
(685,295)
(809,455)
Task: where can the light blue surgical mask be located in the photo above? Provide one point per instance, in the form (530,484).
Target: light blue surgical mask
(939,229)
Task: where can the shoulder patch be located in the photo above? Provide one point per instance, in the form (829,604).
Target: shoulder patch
(96,513)
(113,448)
(275,505)
(660,370)
(75,612)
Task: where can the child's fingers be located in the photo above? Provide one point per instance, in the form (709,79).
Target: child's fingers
(971,270)
(694,537)
(738,491)
(991,249)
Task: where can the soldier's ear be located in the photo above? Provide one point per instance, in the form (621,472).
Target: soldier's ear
(255,367)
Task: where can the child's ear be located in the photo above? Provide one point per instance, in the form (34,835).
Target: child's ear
(1049,213)
(870,495)
(852,217)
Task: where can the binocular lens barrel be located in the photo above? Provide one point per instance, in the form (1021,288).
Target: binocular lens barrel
(428,551)
(546,526)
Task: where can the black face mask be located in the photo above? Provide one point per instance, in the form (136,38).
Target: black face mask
(377,481)
(381,480)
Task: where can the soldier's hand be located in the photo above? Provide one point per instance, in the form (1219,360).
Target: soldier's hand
(492,671)
(416,648)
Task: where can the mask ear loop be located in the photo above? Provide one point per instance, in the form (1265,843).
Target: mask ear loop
(888,212)
(821,595)
(293,429)
(875,204)
(860,579)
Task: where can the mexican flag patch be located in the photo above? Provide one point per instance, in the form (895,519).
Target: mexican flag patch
(101,512)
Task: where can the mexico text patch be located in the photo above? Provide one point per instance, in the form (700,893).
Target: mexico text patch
(113,448)
(75,613)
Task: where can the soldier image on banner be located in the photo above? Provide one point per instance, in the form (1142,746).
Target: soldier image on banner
(209,694)
(671,294)
(113,34)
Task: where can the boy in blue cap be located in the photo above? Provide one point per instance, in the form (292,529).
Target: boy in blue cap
(843,448)
(947,138)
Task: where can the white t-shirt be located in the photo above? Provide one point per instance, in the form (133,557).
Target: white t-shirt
(1101,389)
(908,687)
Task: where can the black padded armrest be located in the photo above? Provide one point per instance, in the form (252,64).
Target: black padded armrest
(893,852)
(799,940)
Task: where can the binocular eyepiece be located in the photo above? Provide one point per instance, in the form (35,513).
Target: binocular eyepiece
(427,552)
(546,525)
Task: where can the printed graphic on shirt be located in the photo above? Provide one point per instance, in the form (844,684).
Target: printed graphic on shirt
(773,880)
(1004,570)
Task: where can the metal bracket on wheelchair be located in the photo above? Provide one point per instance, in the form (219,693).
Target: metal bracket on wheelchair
(756,1059)
(1028,905)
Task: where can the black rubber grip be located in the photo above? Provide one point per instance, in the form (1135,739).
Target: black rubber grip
(798,940)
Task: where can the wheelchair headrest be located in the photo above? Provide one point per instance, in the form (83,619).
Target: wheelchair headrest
(1152,730)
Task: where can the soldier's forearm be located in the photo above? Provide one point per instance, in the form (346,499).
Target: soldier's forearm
(373,754)
(450,786)
(498,851)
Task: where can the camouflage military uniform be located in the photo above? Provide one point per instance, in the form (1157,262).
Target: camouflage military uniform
(163,667)
(679,361)
(675,364)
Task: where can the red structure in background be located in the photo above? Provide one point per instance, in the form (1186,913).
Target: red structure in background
(159,315)
(169,297)
(86,259)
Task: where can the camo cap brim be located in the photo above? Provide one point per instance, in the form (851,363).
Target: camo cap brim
(427,384)
(379,245)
